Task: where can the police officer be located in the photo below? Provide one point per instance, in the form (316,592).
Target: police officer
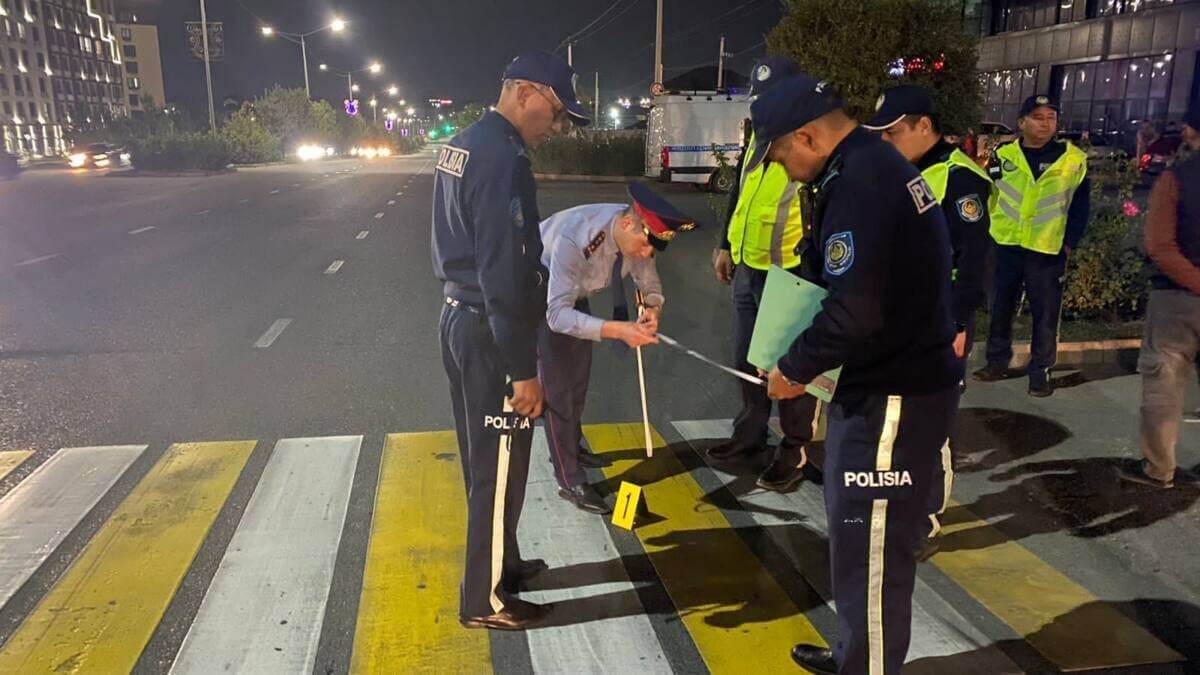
(1039,213)
(880,246)
(487,251)
(763,227)
(907,119)
(583,247)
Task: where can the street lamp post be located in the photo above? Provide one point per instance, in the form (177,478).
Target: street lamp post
(375,68)
(337,26)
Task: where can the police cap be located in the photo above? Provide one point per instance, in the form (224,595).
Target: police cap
(552,71)
(897,103)
(1039,101)
(660,219)
(768,72)
(790,104)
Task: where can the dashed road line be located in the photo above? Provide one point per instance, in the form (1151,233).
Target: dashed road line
(334,266)
(391,202)
(142,229)
(269,337)
(34,261)
(274,192)
(243,201)
(205,212)
(378,215)
(363,234)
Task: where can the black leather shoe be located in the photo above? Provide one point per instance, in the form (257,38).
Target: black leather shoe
(584,497)
(516,615)
(1040,388)
(817,659)
(780,477)
(730,449)
(990,373)
(515,579)
(926,548)
(592,460)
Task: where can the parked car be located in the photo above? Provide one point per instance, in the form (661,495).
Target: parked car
(1096,146)
(10,167)
(98,156)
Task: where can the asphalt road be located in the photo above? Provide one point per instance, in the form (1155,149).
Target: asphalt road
(130,308)
(298,302)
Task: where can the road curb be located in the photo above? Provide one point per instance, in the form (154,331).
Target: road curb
(1087,352)
(134,173)
(574,178)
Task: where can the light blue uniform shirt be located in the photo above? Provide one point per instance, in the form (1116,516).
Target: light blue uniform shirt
(579,250)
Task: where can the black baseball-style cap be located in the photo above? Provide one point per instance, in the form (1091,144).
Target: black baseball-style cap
(788,105)
(1038,101)
(660,219)
(897,103)
(552,71)
(770,71)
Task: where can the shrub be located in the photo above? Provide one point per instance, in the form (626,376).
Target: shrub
(593,153)
(175,152)
(1107,273)
(248,140)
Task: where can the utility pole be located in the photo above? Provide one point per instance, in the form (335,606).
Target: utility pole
(212,115)
(596,99)
(304,55)
(571,54)
(350,85)
(658,39)
(721,66)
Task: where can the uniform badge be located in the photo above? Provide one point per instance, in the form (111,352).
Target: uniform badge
(762,73)
(1009,166)
(1042,100)
(970,209)
(879,102)
(453,160)
(517,213)
(594,244)
(839,253)
(922,194)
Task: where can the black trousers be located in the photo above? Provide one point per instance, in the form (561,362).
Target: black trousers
(494,448)
(796,416)
(564,366)
(880,452)
(1041,276)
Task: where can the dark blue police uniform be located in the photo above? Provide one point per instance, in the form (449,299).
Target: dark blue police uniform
(487,251)
(879,244)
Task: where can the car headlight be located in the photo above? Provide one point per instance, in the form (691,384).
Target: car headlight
(78,159)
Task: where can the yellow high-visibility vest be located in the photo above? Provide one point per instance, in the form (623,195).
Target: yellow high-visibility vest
(1032,213)
(938,175)
(766,225)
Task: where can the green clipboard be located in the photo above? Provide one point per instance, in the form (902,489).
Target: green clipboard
(788,307)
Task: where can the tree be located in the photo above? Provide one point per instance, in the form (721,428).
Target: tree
(290,116)
(248,138)
(867,46)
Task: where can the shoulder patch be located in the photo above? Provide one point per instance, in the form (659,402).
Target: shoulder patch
(594,244)
(839,253)
(453,160)
(970,208)
(922,194)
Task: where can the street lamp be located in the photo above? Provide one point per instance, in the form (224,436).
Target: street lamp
(410,110)
(374,110)
(374,67)
(393,90)
(337,26)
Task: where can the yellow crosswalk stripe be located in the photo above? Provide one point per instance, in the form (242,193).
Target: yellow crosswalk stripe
(732,607)
(408,613)
(10,460)
(101,614)
(1071,627)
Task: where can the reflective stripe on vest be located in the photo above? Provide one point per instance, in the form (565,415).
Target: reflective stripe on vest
(938,175)
(1032,213)
(766,224)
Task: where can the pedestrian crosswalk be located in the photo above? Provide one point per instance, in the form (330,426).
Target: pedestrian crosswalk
(96,544)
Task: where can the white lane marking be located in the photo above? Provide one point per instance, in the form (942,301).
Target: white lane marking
(295,185)
(363,234)
(399,193)
(621,642)
(243,201)
(378,215)
(205,212)
(334,266)
(274,192)
(272,333)
(278,565)
(42,509)
(142,229)
(391,201)
(34,261)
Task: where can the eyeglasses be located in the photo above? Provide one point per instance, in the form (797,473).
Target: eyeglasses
(560,111)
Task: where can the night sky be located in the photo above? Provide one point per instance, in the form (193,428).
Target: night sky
(453,49)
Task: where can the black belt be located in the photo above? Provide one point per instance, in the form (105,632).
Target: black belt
(459,304)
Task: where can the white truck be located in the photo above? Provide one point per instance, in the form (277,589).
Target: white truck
(681,130)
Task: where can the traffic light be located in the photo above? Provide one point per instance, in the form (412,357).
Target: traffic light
(448,128)
(433,134)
